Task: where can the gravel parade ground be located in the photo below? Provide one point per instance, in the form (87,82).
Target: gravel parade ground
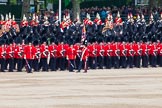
(115,88)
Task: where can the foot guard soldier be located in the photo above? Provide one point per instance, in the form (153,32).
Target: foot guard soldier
(100,55)
(153,52)
(108,55)
(18,55)
(145,54)
(53,55)
(131,53)
(2,56)
(123,55)
(71,56)
(29,55)
(36,56)
(10,55)
(44,55)
(160,53)
(84,58)
(138,53)
(116,55)
(92,56)
(79,52)
(61,53)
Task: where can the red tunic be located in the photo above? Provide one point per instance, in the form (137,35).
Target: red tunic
(118,21)
(123,50)
(44,51)
(153,50)
(18,52)
(85,54)
(36,52)
(92,50)
(108,50)
(29,52)
(53,50)
(2,51)
(24,23)
(9,52)
(100,50)
(131,51)
(78,50)
(137,49)
(160,49)
(71,53)
(61,50)
(32,23)
(115,49)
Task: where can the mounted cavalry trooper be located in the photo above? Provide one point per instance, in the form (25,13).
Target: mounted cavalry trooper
(14,24)
(108,31)
(98,26)
(33,21)
(118,25)
(2,25)
(63,24)
(24,22)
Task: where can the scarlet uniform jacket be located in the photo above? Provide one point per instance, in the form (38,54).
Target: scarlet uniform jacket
(29,52)
(108,50)
(123,49)
(78,51)
(44,51)
(71,53)
(32,23)
(137,48)
(53,50)
(2,52)
(100,50)
(116,50)
(160,49)
(14,23)
(85,53)
(118,21)
(9,52)
(131,51)
(18,52)
(92,50)
(36,52)
(153,49)
(144,48)
(61,50)
(24,23)
(97,21)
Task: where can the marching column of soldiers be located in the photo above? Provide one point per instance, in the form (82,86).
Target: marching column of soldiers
(45,44)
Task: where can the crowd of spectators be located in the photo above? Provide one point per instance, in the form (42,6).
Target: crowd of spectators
(124,10)
(104,11)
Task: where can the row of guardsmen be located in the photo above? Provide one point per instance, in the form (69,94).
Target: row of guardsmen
(78,56)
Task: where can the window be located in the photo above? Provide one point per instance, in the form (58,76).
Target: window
(141,2)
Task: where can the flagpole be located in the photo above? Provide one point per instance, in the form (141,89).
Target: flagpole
(60,10)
